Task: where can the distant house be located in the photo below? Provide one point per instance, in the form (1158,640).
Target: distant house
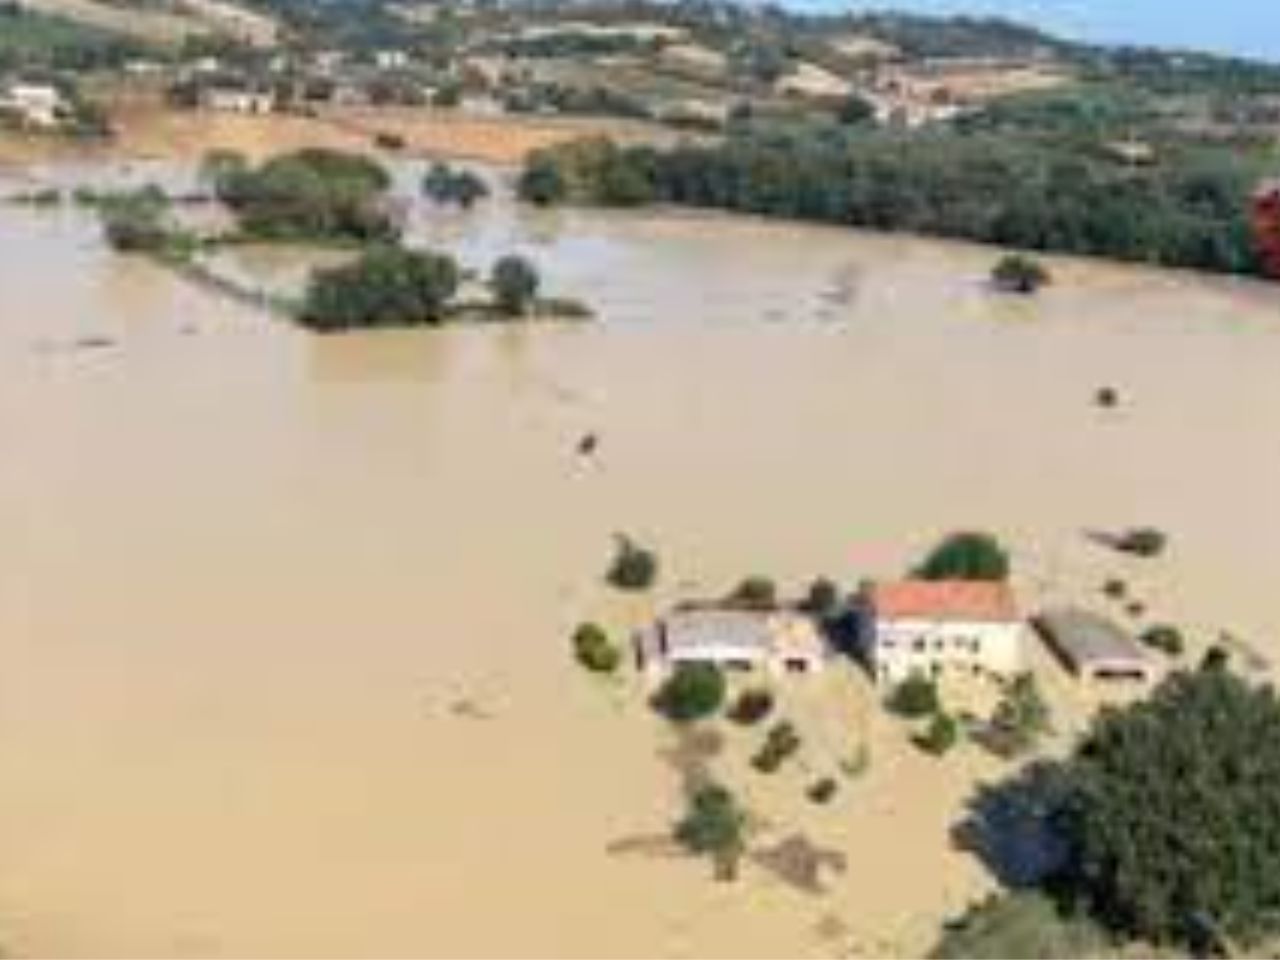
(237,100)
(34,104)
(776,641)
(937,627)
(390,59)
(1094,648)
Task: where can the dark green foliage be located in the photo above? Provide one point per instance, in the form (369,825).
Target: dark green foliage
(594,650)
(916,696)
(822,599)
(1172,815)
(515,283)
(1142,542)
(139,222)
(755,593)
(445,184)
(1020,720)
(940,736)
(857,111)
(1191,209)
(633,567)
(1017,273)
(30,39)
(312,194)
(541,182)
(692,692)
(386,287)
(714,825)
(1022,924)
(751,707)
(781,742)
(823,791)
(1216,658)
(966,556)
(1166,638)
(1115,589)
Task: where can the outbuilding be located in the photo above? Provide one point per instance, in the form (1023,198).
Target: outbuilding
(1093,647)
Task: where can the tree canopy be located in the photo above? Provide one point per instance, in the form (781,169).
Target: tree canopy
(1172,814)
(311,194)
(386,287)
(966,556)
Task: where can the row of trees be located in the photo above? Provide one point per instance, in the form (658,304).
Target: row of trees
(393,286)
(310,194)
(1189,210)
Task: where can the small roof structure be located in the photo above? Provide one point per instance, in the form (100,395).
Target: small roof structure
(958,601)
(725,634)
(1093,646)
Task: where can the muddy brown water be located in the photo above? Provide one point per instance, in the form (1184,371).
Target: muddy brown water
(247,575)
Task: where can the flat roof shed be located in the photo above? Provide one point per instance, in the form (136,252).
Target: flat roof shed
(1093,647)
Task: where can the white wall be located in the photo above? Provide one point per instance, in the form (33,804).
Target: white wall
(899,648)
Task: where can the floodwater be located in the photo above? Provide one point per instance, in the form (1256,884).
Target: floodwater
(283,620)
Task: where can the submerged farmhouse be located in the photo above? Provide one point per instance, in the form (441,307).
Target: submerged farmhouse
(938,627)
(776,641)
(1094,648)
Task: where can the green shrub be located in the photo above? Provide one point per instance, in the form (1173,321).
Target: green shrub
(1017,273)
(714,825)
(916,696)
(1115,589)
(1142,542)
(756,593)
(515,283)
(967,556)
(751,707)
(822,599)
(1020,719)
(386,287)
(542,183)
(594,650)
(941,735)
(823,791)
(1166,638)
(781,742)
(633,568)
(692,692)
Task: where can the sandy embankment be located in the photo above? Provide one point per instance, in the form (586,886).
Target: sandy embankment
(146,129)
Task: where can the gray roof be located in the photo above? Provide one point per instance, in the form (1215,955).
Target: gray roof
(691,630)
(1089,639)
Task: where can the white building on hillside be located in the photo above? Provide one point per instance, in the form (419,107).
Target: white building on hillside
(938,627)
(36,104)
(237,100)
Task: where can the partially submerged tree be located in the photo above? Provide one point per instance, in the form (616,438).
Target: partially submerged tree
(515,283)
(1017,273)
(1020,719)
(385,287)
(634,567)
(714,825)
(594,650)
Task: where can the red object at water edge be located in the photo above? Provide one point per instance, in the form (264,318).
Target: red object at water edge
(1266,226)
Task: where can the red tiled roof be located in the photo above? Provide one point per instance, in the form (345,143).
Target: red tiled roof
(944,600)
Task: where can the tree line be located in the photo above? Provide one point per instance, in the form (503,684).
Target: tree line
(1189,210)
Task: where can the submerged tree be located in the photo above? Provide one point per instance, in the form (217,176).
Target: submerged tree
(515,283)
(1019,274)
(714,825)
(386,287)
